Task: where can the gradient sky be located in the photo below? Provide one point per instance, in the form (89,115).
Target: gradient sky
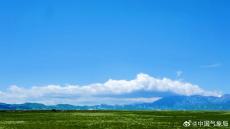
(86,41)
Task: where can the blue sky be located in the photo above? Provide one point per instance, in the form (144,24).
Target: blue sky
(85,41)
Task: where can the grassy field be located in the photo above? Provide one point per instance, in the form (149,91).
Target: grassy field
(110,119)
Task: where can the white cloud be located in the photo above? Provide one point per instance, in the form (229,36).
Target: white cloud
(216,65)
(96,93)
(179,73)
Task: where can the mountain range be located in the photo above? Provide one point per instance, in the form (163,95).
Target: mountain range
(165,103)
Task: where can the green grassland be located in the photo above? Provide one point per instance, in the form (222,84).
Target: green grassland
(107,119)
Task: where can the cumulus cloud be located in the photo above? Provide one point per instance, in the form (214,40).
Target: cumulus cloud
(97,93)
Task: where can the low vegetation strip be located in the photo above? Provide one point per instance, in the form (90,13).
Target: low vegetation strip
(114,119)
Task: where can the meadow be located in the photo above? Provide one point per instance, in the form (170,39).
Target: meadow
(113,119)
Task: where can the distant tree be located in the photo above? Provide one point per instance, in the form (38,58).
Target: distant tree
(54,110)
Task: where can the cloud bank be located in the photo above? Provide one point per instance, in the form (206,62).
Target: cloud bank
(109,92)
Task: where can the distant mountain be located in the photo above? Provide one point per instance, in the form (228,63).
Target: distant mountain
(166,103)
(25,106)
(191,103)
